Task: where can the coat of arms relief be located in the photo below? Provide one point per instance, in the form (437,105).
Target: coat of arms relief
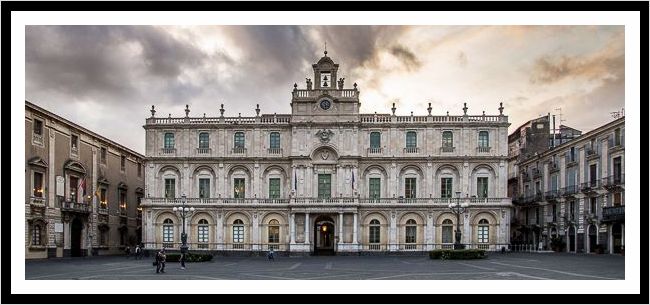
(324,135)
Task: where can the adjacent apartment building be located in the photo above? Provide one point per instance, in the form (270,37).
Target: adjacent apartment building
(574,191)
(325,178)
(82,190)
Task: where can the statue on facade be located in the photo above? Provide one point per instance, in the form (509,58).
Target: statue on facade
(308,83)
(341,80)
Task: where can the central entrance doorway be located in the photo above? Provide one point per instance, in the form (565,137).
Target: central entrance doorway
(75,237)
(324,236)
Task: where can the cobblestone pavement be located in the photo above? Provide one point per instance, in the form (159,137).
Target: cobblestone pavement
(509,266)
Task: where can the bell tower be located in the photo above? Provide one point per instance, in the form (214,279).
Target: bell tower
(325,99)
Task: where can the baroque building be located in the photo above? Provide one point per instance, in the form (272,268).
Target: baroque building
(81,189)
(326,179)
(575,192)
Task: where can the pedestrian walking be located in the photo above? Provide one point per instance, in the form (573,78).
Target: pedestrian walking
(270,255)
(127,251)
(182,260)
(137,252)
(161,259)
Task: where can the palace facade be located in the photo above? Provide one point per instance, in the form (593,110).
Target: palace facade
(326,179)
(81,189)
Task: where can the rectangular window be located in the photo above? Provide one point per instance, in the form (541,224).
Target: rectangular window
(374,186)
(617,137)
(537,215)
(482,187)
(593,205)
(483,234)
(411,139)
(122,198)
(617,199)
(170,188)
(274,188)
(555,213)
(274,141)
(538,187)
(38,127)
(239,140)
(617,170)
(324,186)
(74,183)
(102,198)
(168,233)
(446,190)
(410,190)
(447,234)
(447,139)
(554,183)
(74,141)
(411,232)
(122,163)
(572,154)
(375,139)
(240,188)
(204,188)
(593,174)
(203,234)
(571,179)
(238,234)
(204,140)
(483,139)
(274,234)
(139,169)
(38,184)
(572,212)
(373,237)
(102,156)
(169,140)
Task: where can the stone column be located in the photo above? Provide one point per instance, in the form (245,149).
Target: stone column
(220,229)
(307,228)
(392,233)
(340,228)
(354,229)
(292,227)
(429,232)
(256,233)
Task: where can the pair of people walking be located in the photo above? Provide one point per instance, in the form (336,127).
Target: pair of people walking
(161,261)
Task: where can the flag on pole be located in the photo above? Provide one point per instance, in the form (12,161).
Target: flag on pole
(82,186)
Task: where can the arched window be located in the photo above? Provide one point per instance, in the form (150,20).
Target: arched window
(203,231)
(204,140)
(374,237)
(411,139)
(169,140)
(168,233)
(483,139)
(483,231)
(238,233)
(447,231)
(375,139)
(239,140)
(274,140)
(36,235)
(411,231)
(274,232)
(447,139)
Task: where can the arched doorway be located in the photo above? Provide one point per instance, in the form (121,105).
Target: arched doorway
(617,237)
(572,239)
(75,237)
(592,238)
(324,230)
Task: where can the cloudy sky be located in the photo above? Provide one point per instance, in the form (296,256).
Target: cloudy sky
(106,78)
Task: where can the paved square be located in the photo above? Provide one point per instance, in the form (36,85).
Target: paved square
(510,266)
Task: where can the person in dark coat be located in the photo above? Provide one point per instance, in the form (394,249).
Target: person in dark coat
(182,260)
(160,261)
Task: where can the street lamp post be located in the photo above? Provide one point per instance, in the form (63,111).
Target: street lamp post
(184,212)
(458,209)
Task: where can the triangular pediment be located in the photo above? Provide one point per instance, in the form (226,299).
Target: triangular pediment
(75,166)
(37,161)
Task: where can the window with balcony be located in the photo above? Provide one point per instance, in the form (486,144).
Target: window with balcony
(274,231)
(447,231)
(411,231)
(38,127)
(374,236)
(274,140)
(74,184)
(170,188)
(593,175)
(572,209)
(122,163)
(617,199)
(169,140)
(38,184)
(204,187)
(482,187)
(593,206)
(102,155)
(238,231)
(274,188)
(239,187)
(375,140)
(617,166)
(122,198)
(572,154)
(203,231)
(483,231)
(102,198)
(411,139)
(483,141)
(410,186)
(554,182)
(239,140)
(204,140)
(617,137)
(74,143)
(374,187)
(446,188)
(168,233)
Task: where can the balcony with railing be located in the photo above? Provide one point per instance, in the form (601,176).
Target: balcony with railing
(537,173)
(239,120)
(333,92)
(590,186)
(570,191)
(553,166)
(37,201)
(552,196)
(611,214)
(411,150)
(483,149)
(374,150)
(591,153)
(239,150)
(203,151)
(614,182)
(436,119)
(345,201)
(102,209)
(274,151)
(167,151)
(447,149)
(37,138)
(70,206)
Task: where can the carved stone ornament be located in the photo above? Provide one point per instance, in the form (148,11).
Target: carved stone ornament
(324,135)
(324,154)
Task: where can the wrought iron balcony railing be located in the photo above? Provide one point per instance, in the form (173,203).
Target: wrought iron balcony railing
(616,213)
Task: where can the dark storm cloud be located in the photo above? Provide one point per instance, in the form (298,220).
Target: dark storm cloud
(408,59)
(110,62)
(549,69)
